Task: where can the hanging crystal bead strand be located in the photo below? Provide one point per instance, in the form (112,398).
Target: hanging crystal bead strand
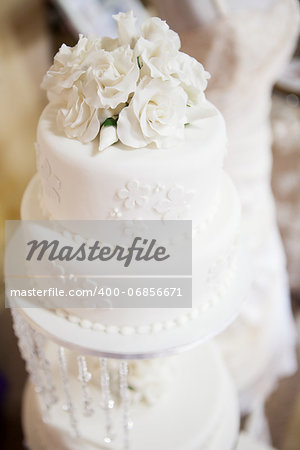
(84,377)
(39,341)
(107,403)
(124,394)
(29,353)
(66,385)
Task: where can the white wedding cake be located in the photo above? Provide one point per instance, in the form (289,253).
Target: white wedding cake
(128,134)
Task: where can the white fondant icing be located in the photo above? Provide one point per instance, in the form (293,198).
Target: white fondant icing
(94,179)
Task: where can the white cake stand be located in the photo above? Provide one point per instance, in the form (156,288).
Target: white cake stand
(97,343)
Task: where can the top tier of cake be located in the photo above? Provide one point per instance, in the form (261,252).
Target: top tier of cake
(128,132)
(79,182)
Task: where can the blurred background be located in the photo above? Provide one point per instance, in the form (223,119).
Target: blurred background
(31,31)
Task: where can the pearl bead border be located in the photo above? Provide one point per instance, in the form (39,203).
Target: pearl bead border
(127,330)
(219,292)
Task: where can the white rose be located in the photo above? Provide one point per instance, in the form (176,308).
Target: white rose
(77,119)
(126,25)
(159,61)
(68,66)
(157,30)
(192,76)
(156,114)
(110,78)
(158,56)
(156,49)
(153,29)
(156,59)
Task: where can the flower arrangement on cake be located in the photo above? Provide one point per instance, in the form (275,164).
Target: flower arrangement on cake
(137,88)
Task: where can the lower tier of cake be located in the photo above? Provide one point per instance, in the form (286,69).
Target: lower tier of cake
(216,272)
(198,410)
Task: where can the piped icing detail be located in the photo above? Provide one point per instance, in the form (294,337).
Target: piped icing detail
(52,183)
(134,194)
(172,203)
(175,203)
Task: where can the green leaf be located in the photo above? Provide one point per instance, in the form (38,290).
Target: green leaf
(189,106)
(140,62)
(131,388)
(186,124)
(110,122)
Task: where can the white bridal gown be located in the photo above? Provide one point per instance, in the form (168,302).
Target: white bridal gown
(245,45)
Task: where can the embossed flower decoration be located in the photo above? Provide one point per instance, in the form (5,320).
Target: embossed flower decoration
(176,203)
(52,182)
(135,194)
